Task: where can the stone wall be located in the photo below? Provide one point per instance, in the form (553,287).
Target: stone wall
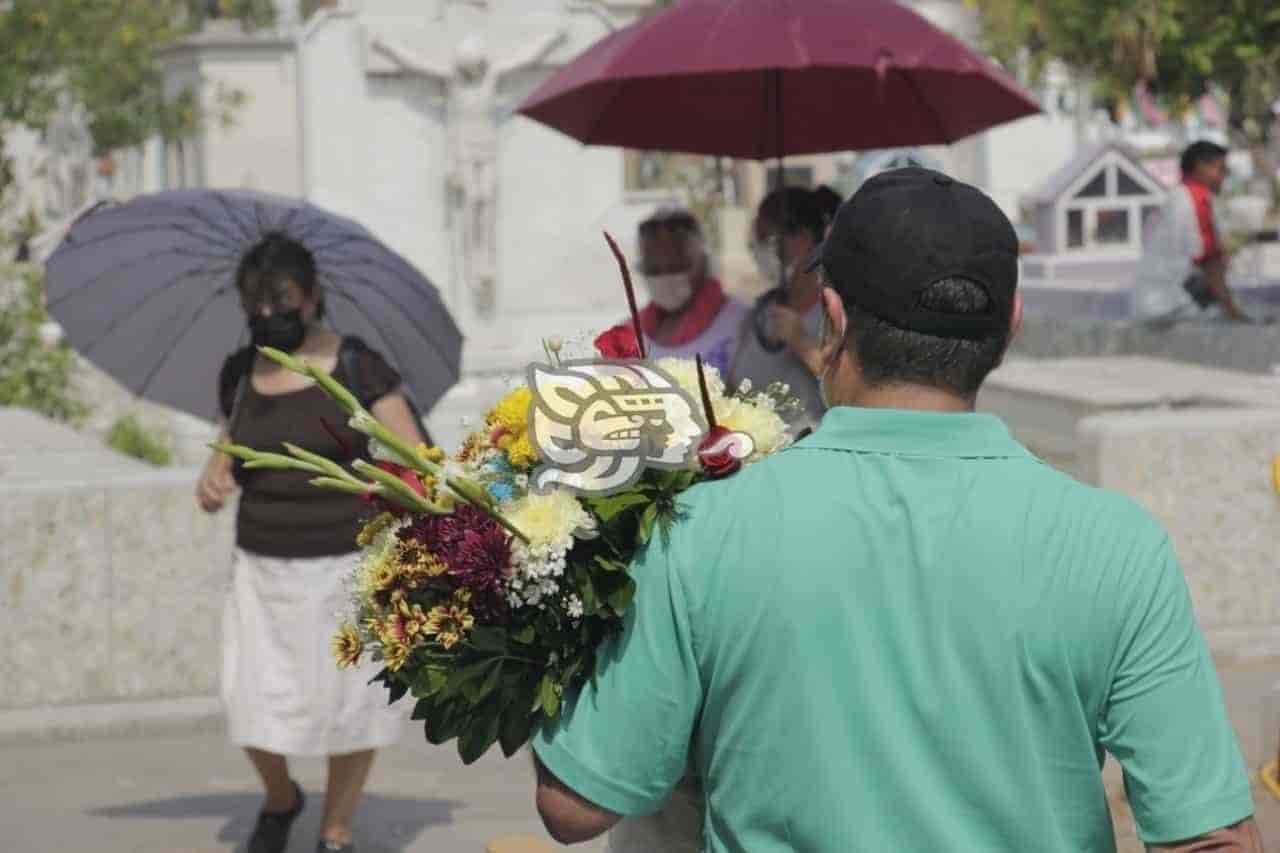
(111,578)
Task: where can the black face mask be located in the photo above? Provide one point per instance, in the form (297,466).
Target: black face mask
(284,331)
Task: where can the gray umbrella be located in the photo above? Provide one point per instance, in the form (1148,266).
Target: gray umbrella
(145,291)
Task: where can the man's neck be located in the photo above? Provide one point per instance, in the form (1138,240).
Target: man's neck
(910,397)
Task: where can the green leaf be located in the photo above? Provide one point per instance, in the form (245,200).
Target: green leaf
(445,722)
(620,599)
(423,709)
(476,691)
(487,639)
(647,520)
(549,697)
(479,736)
(396,689)
(459,677)
(525,635)
(610,565)
(517,726)
(608,508)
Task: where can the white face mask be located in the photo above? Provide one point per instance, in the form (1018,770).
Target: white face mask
(772,273)
(670,292)
(826,368)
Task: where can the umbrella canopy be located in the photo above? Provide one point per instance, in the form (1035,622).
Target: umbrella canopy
(146,291)
(763,79)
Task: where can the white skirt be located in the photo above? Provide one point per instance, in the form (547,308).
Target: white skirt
(281,688)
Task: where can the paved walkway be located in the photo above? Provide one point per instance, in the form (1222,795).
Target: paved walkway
(194,794)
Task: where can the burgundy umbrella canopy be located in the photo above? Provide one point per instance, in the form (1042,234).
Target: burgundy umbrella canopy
(762,79)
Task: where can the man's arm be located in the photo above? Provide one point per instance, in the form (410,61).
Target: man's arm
(568,817)
(1215,273)
(534,54)
(409,60)
(1242,837)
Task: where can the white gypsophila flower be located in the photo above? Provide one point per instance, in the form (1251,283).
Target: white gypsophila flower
(744,387)
(574,607)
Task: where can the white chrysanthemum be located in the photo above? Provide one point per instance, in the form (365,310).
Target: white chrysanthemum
(550,517)
(685,372)
(767,430)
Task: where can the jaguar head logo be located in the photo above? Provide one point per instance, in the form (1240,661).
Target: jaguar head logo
(598,424)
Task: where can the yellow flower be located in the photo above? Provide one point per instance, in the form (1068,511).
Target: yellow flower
(512,411)
(550,517)
(380,523)
(521,452)
(395,656)
(448,623)
(417,561)
(347,645)
(431,454)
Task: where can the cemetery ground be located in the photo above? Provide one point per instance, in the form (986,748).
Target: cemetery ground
(193,793)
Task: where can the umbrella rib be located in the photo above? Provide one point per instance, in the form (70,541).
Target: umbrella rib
(188,274)
(92,280)
(68,247)
(945,137)
(202,216)
(413,318)
(283,225)
(394,343)
(245,233)
(173,341)
(413,283)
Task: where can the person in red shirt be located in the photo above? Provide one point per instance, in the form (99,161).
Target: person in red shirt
(1204,169)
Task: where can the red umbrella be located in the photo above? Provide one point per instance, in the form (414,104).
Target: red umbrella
(761,79)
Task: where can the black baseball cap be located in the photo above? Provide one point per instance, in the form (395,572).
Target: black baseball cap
(906,229)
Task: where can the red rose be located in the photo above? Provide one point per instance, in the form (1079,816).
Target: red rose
(720,452)
(618,342)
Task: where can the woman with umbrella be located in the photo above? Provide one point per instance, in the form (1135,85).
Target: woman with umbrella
(294,544)
(779,342)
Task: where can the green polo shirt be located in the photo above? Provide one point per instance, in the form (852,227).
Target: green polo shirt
(906,633)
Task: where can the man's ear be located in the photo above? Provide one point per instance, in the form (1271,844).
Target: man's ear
(837,324)
(1015,319)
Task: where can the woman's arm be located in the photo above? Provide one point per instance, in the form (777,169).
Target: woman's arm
(216,483)
(394,412)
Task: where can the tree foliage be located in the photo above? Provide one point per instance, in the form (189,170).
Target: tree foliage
(1177,46)
(33,374)
(101,55)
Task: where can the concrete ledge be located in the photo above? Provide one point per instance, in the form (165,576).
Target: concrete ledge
(116,719)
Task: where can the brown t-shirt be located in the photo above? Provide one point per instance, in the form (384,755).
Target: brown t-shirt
(281,514)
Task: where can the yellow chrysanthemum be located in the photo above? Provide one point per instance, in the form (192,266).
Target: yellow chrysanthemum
(448,623)
(370,531)
(549,517)
(431,454)
(512,411)
(395,656)
(347,645)
(417,561)
(521,452)
(378,576)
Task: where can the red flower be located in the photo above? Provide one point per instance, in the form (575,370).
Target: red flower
(721,452)
(410,477)
(618,342)
(476,549)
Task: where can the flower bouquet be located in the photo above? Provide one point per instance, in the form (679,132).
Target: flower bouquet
(487,580)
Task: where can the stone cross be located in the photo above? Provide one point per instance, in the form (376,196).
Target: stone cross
(471,82)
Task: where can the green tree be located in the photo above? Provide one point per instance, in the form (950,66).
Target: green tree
(1177,45)
(33,375)
(102,56)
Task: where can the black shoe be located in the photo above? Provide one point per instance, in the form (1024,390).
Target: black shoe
(271,832)
(323,846)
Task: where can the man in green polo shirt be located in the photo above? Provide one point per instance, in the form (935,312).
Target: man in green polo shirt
(906,633)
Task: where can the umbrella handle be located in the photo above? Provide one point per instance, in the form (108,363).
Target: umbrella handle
(759,320)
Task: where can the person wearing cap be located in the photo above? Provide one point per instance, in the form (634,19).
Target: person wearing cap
(1184,263)
(688,311)
(905,632)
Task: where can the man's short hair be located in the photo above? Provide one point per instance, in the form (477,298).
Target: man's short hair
(676,220)
(1199,152)
(891,355)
